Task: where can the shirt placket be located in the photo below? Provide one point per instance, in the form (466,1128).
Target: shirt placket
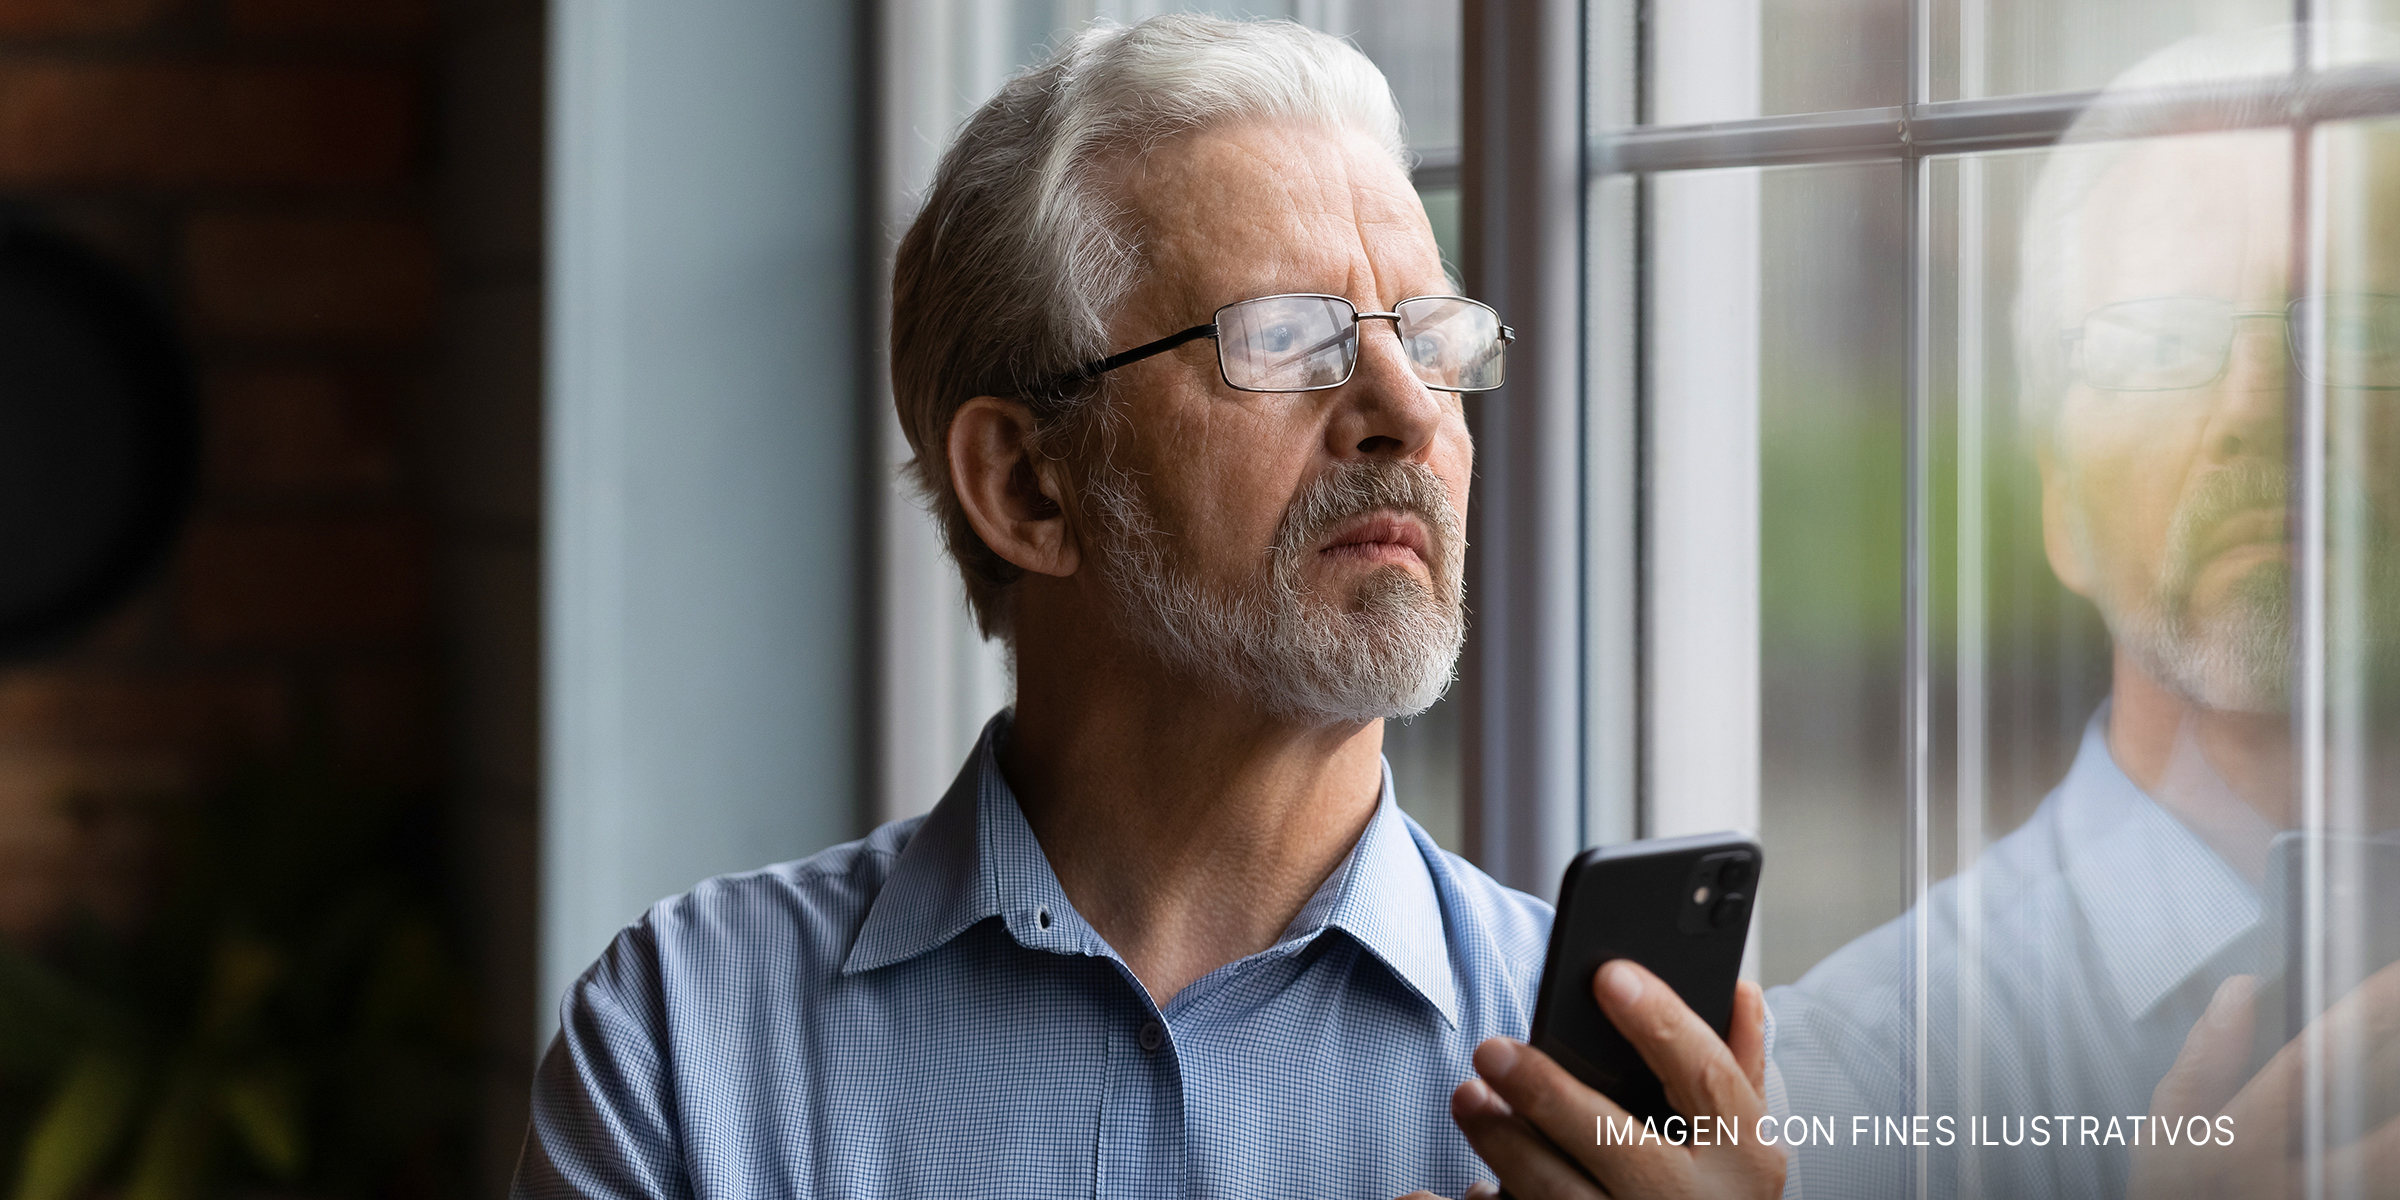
(1141,1148)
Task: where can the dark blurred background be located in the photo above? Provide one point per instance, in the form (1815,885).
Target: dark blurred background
(338,204)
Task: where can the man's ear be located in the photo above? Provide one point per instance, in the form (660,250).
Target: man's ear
(2058,533)
(1014,498)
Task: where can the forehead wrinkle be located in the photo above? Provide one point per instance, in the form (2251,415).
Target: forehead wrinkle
(1301,218)
(1377,219)
(1407,222)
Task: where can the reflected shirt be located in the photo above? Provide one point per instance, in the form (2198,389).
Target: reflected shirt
(924,1013)
(2063,971)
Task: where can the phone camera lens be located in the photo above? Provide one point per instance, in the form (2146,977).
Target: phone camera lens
(1729,909)
(1736,875)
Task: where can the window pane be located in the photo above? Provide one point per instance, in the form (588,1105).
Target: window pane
(1708,61)
(1832,512)
(1777,485)
(2007,47)
(1416,42)
(2118,798)
(2144,513)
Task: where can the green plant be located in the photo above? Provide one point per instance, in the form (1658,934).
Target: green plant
(289,1017)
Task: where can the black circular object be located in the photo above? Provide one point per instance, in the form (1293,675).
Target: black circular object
(99,437)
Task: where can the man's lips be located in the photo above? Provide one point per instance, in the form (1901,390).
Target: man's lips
(1379,538)
(2258,528)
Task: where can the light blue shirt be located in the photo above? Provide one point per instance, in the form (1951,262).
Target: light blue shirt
(2064,970)
(924,1013)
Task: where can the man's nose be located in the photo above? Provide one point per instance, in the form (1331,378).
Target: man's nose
(1386,411)
(2246,412)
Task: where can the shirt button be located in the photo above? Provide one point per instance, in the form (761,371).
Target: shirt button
(1153,1035)
(1043,917)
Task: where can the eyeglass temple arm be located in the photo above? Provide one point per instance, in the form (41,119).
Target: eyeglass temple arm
(1094,370)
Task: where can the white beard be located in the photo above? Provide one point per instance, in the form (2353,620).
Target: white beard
(1269,640)
(2235,658)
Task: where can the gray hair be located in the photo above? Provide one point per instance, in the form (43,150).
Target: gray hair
(1004,282)
(2209,83)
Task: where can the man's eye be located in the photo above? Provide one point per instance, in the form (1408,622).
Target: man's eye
(1277,337)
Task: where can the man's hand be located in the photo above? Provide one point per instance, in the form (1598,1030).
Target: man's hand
(1522,1090)
(2361,1040)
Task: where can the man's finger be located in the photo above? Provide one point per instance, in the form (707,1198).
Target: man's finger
(1748,1037)
(1549,1099)
(2355,1028)
(2216,1053)
(1529,1165)
(2367,1167)
(1699,1071)
(2368,1017)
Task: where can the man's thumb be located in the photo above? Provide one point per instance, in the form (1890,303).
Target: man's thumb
(2216,1054)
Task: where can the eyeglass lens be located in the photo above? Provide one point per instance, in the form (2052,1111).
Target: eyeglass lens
(1287,343)
(2172,342)
(1304,343)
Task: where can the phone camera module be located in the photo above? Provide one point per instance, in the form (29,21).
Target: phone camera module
(1729,909)
(1735,875)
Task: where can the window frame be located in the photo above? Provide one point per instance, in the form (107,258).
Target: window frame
(1911,134)
(1624,156)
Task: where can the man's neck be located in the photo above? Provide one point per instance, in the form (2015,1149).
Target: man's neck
(2250,752)
(1188,828)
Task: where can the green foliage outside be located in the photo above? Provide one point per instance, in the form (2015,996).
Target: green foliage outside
(290,1018)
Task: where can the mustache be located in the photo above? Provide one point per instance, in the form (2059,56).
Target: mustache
(1351,489)
(2224,493)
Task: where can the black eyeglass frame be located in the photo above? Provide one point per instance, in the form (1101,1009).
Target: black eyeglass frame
(1099,367)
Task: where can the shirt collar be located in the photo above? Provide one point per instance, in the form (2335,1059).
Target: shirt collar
(2160,903)
(975,858)
(1382,896)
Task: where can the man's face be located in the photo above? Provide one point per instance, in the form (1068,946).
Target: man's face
(1301,548)
(2169,502)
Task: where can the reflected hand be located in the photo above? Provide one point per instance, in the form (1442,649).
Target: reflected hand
(2361,1033)
(1522,1090)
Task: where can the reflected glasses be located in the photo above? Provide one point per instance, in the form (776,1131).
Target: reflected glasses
(1308,342)
(2171,342)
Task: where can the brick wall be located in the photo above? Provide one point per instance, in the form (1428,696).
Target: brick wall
(339,201)
(267,167)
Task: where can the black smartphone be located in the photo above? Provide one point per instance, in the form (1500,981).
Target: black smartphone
(1678,906)
(2360,934)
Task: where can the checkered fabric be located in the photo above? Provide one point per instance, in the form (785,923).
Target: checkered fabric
(923,1013)
(2106,926)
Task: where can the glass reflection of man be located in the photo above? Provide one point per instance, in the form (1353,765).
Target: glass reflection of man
(2108,975)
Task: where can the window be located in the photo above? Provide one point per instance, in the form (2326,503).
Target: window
(2003,374)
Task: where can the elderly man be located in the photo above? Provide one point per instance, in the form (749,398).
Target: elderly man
(2101,964)
(1184,376)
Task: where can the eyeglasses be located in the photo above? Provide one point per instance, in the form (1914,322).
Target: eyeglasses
(1307,342)
(2171,342)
